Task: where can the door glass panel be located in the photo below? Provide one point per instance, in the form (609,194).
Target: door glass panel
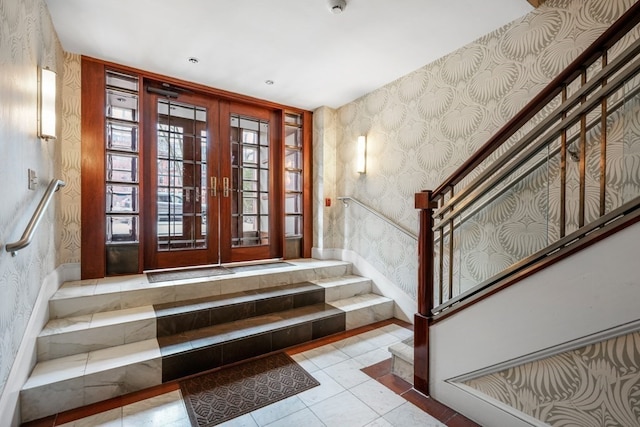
(250,180)
(182,176)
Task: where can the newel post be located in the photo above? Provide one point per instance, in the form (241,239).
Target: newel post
(425,293)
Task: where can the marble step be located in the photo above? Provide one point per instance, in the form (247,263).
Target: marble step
(97,375)
(402,359)
(86,297)
(347,286)
(218,345)
(365,309)
(89,332)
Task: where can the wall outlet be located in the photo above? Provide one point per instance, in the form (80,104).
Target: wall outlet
(33,179)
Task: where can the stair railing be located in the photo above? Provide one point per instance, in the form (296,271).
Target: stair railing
(27,236)
(593,91)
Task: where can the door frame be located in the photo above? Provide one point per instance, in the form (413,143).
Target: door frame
(92,234)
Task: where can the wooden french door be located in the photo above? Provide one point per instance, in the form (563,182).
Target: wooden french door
(210,188)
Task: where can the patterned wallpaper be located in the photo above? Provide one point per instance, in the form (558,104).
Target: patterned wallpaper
(421,127)
(27,40)
(69,218)
(593,386)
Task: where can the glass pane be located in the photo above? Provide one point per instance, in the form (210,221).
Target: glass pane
(122,106)
(293,159)
(293,136)
(122,229)
(250,180)
(292,181)
(293,226)
(293,203)
(122,137)
(122,81)
(122,198)
(182,176)
(122,168)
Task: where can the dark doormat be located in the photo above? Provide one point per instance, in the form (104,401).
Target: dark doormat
(191,273)
(221,395)
(253,267)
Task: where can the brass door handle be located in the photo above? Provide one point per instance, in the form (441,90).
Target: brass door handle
(214,185)
(225,187)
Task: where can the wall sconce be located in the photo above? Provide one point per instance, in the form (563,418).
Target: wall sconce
(361,158)
(47,104)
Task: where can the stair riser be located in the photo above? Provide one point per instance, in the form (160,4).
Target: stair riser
(348,290)
(82,341)
(123,297)
(202,359)
(37,402)
(367,315)
(174,324)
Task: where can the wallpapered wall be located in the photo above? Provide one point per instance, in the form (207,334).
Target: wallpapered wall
(596,385)
(421,127)
(27,40)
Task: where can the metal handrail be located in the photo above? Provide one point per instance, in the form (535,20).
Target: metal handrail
(25,240)
(345,199)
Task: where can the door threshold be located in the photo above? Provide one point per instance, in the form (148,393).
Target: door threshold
(255,262)
(228,264)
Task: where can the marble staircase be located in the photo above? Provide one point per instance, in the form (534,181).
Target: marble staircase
(113,336)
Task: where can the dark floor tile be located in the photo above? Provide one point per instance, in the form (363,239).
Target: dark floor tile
(309,298)
(191,362)
(461,421)
(246,348)
(379,369)
(291,336)
(329,325)
(232,313)
(394,383)
(274,305)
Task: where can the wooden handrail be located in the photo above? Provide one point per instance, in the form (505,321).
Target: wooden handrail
(607,39)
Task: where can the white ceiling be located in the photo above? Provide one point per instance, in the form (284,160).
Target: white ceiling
(314,57)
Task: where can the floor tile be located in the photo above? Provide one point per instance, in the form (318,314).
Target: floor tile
(245,420)
(112,418)
(278,410)
(326,355)
(328,387)
(306,364)
(347,373)
(354,346)
(377,396)
(344,409)
(408,414)
(304,418)
(160,410)
(380,422)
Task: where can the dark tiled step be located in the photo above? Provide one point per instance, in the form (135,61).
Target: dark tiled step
(214,346)
(177,317)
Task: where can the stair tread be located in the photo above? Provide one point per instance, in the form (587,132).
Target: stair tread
(340,281)
(238,329)
(360,301)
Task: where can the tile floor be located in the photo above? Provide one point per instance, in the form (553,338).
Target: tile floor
(347,395)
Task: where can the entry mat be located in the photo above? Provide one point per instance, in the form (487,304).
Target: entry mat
(196,273)
(221,395)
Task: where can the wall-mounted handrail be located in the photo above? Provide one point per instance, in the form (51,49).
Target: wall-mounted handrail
(25,240)
(345,201)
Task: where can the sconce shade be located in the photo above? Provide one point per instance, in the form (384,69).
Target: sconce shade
(47,104)
(361,159)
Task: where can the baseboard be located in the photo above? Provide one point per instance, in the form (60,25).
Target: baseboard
(25,359)
(404,307)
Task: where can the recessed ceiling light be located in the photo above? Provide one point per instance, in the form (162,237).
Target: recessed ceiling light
(193,60)
(269,82)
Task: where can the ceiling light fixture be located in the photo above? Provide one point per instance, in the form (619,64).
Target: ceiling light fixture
(337,6)
(193,60)
(269,82)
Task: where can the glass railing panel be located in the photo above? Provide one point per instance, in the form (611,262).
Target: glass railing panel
(631,146)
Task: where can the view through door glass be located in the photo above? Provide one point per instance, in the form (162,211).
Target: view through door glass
(250,175)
